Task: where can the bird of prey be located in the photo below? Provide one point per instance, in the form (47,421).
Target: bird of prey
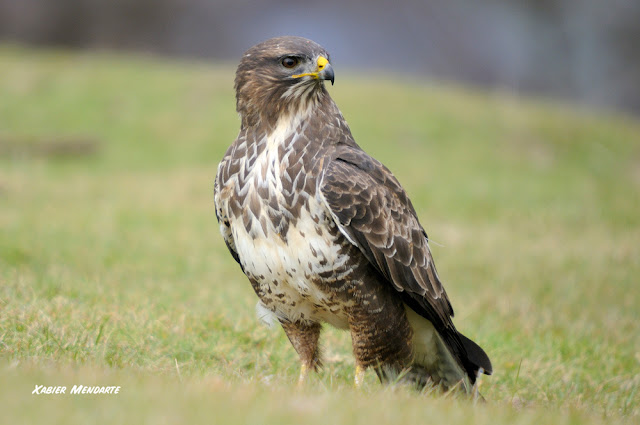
(326,234)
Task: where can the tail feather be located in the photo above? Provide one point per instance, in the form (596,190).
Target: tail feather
(446,359)
(476,356)
(432,356)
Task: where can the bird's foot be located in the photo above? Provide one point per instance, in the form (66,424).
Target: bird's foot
(359,377)
(304,372)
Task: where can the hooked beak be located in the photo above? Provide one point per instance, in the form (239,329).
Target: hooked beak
(327,73)
(324,71)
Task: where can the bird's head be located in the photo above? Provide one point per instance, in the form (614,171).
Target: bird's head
(281,76)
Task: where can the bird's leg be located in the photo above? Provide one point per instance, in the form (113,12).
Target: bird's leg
(381,338)
(304,338)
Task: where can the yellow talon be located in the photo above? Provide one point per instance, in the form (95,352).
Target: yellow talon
(359,378)
(304,371)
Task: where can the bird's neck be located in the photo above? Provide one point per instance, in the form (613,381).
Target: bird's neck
(276,111)
(319,124)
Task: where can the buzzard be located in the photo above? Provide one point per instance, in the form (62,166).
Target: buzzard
(326,234)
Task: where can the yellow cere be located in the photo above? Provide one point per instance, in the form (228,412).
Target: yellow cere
(322,62)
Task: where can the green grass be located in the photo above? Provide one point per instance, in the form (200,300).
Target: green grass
(112,270)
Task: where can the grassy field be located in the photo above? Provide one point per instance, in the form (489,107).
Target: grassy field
(112,270)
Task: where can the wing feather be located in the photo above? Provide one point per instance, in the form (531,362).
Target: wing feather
(223,220)
(373,211)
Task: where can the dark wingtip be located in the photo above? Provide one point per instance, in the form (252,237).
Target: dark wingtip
(476,355)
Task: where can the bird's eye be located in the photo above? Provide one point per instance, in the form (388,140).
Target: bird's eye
(290,61)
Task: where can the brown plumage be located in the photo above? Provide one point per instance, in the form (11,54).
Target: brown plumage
(325,233)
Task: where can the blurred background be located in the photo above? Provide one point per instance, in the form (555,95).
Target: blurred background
(584,51)
(112,268)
